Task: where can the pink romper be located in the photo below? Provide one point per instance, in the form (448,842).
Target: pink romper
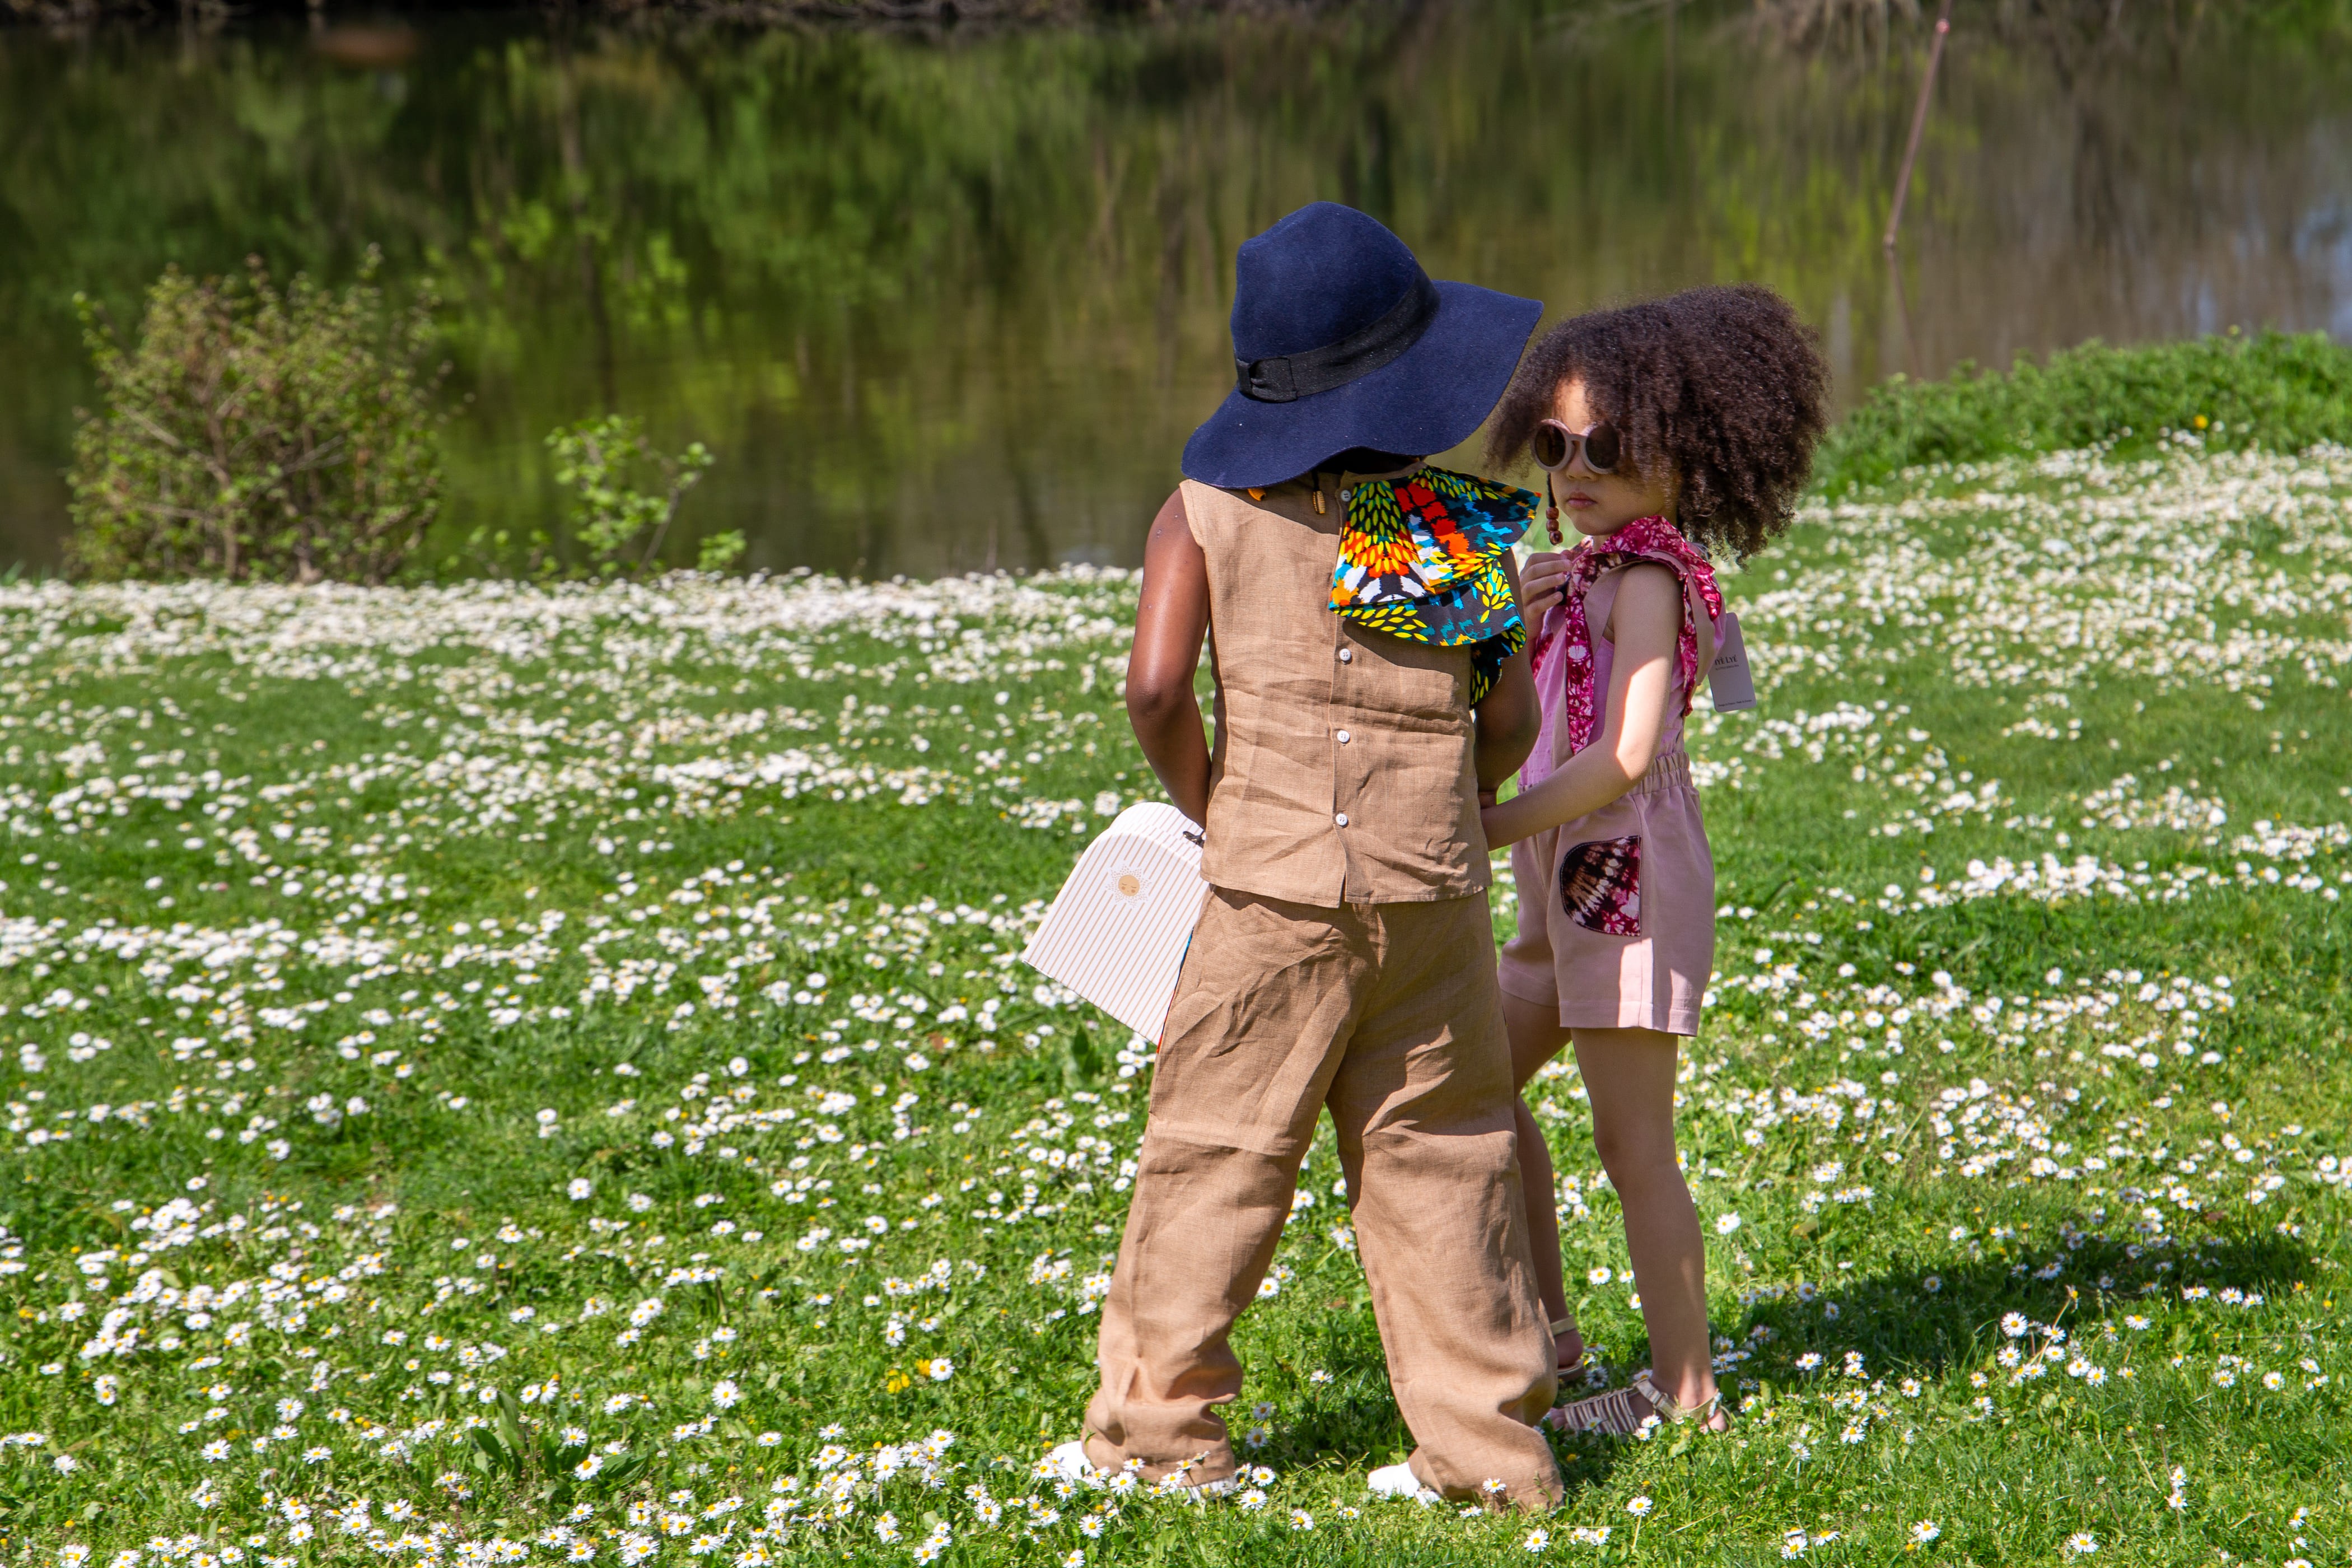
(1616,908)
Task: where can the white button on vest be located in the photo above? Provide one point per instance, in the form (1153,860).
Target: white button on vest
(1346,496)
(1341,820)
(1343,737)
(1347,656)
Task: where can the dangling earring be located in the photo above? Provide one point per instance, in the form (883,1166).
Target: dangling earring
(1551,512)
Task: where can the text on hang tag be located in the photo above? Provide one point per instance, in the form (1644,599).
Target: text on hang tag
(1729,679)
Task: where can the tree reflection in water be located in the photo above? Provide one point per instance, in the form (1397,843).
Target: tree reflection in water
(952,301)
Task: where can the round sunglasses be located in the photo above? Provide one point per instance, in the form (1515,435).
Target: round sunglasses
(1554,446)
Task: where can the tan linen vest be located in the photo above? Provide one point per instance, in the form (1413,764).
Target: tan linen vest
(1342,771)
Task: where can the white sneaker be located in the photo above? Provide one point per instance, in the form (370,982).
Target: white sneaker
(1068,1462)
(1398,1480)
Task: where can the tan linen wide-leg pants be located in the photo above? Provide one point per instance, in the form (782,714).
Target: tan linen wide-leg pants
(1389,1014)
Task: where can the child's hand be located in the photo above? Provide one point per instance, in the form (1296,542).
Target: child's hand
(1542,582)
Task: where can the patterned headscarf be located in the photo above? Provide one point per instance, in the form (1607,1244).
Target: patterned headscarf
(1566,635)
(1420,557)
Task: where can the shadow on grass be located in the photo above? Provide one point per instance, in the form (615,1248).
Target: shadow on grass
(1926,1322)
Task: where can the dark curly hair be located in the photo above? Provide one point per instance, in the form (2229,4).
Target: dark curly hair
(1721,387)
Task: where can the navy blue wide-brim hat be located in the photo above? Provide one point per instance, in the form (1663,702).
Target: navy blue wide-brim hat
(1341,341)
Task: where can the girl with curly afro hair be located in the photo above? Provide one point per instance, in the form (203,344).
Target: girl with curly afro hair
(1669,431)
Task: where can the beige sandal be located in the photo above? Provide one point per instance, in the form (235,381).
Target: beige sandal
(1614,1413)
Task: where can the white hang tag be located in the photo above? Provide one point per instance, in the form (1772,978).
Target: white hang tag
(1728,679)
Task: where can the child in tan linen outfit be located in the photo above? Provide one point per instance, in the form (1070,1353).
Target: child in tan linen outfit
(1343,959)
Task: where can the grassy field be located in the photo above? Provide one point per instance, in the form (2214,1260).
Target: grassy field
(508,1075)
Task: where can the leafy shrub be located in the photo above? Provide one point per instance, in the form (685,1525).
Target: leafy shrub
(626,493)
(258,435)
(2276,390)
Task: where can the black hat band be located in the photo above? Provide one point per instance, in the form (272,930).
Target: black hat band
(1284,378)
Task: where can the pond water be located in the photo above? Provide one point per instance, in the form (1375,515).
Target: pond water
(946,301)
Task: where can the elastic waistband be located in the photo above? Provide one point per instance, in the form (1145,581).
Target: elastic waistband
(1669,772)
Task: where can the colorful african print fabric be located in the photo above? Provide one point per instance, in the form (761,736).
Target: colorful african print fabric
(1420,557)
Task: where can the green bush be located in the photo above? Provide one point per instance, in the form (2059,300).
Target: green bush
(626,493)
(2276,390)
(257,436)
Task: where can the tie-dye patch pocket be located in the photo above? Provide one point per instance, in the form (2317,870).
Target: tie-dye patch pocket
(1601,885)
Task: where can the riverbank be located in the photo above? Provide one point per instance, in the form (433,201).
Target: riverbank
(950,305)
(512,1073)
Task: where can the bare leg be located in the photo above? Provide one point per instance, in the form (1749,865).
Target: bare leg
(1536,1038)
(1628,1075)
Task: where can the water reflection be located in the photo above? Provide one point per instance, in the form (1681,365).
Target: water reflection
(949,303)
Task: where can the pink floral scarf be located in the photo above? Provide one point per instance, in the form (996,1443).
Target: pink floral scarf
(1565,632)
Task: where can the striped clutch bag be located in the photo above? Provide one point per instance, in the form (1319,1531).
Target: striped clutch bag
(1118,930)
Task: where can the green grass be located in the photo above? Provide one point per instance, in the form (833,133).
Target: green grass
(2276,390)
(542,882)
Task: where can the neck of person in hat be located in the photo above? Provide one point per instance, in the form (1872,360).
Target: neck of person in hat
(1362,460)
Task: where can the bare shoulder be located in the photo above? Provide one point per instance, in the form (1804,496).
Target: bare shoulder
(1649,604)
(1172,513)
(1172,528)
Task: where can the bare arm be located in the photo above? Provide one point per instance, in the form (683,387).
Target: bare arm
(1508,720)
(1169,624)
(1648,617)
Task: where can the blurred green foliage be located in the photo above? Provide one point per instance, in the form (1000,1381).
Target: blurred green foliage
(951,301)
(2277,390)
(259,435)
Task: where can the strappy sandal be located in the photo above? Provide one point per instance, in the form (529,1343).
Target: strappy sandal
(1614,1413)
(1579,1366)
